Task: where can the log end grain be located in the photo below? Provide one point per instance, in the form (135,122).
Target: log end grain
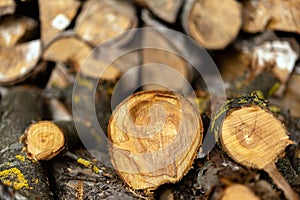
(211,24)
(253,136)
(43,140)
(154,137)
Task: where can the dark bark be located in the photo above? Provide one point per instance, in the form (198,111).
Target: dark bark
(18,109)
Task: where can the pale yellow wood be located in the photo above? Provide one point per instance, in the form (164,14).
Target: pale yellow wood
(154,137)
(55,16)
(69,50)
(13,28)
(271,14)
(253,137)
(43,140)
(101,20)
(18,61)
(213,24)
(238,191)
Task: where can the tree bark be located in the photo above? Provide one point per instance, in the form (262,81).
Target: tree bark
(18,108)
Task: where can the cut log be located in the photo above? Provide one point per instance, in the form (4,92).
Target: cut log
(44,140)
(101,20)
(19,62)
(18,108)
(207,22)
(163,66)
(166,10)
(7,7)
(238,191)
(271,14)
(68,49)
(14,30)
(145,131)
(253,137)
(56,16)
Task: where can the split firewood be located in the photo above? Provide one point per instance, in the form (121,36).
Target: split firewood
(19,62)
(252,136)
(68,49)
(239,191)
(18,108)
(101,20)
(166,9)
(14,30)
(7,7)
(207,22)
(271,14)
(55,17)
(145,131)
(60,77)
(163,64)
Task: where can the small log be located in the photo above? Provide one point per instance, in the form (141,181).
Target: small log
(7,7)
(18,108)
(207,22)
(56,16)
(101,20)
(166,10)
(44,140)
(14,30)
(68,49)
(144,146)
(20,62)
(271,14)
(253,137)
(239,191)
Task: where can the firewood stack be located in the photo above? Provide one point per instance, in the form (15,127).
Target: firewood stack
(63,62)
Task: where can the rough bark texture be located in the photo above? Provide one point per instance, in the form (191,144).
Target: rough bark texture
(18,108)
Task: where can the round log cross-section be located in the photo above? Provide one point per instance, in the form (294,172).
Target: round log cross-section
(154,137)
(43,140)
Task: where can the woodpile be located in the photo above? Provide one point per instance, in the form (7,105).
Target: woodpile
(105,99)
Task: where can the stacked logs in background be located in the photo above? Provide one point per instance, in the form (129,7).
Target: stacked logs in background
(43,44)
